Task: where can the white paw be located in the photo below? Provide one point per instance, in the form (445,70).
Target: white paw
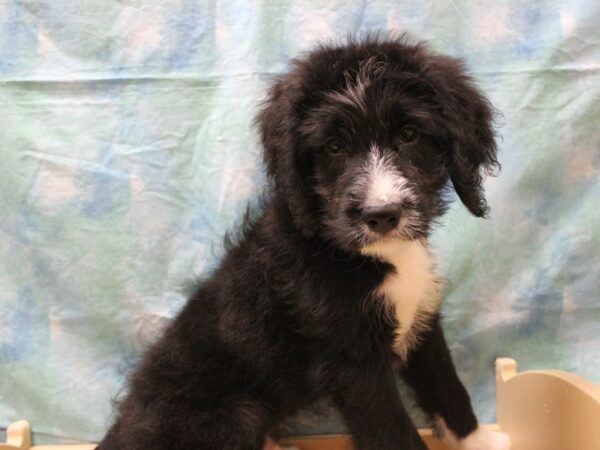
(482,439)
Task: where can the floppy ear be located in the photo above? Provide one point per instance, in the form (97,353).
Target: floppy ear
(469,119)
(288,165)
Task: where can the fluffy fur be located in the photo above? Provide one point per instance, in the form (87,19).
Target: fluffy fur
(331,291)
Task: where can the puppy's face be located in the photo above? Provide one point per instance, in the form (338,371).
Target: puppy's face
(378,168)
(363,140)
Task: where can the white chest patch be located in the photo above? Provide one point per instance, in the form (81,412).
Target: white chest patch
(412,293)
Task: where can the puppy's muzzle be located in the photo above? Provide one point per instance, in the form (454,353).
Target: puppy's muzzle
(382,219)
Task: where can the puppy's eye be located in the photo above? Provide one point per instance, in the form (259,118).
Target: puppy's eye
(334,146)
(408,134)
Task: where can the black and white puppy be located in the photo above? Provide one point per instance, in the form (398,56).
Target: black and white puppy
(331,291)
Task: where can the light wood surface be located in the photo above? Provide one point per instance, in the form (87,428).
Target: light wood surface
(19,438)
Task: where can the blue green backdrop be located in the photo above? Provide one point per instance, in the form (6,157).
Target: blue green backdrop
(126,151)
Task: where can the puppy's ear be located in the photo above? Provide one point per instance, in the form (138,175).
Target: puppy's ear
(287,164)
(469,120)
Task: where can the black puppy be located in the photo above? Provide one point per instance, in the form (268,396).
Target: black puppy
(331,291)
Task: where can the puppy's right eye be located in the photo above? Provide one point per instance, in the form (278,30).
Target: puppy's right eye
(334,146)
(407,135)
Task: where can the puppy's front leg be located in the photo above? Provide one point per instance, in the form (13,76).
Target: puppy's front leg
(370,404)
(430,371)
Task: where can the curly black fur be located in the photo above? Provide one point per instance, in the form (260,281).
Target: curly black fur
(291,314)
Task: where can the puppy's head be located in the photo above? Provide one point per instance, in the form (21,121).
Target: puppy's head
(362,140)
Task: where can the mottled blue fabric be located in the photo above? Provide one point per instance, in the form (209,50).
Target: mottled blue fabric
(126,151)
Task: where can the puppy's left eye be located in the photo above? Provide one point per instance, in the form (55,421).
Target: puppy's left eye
(408,134)
(334,146)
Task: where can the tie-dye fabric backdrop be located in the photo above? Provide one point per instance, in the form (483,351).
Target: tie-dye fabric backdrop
(126,151)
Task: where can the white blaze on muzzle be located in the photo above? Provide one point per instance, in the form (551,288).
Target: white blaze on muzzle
(385,183)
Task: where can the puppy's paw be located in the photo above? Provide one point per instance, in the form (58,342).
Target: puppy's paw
(480,439)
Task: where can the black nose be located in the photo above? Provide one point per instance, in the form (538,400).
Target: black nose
(382,219)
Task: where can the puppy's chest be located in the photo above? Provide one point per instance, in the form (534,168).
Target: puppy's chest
(411,293)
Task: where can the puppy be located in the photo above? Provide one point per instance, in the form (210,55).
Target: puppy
(330,291)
